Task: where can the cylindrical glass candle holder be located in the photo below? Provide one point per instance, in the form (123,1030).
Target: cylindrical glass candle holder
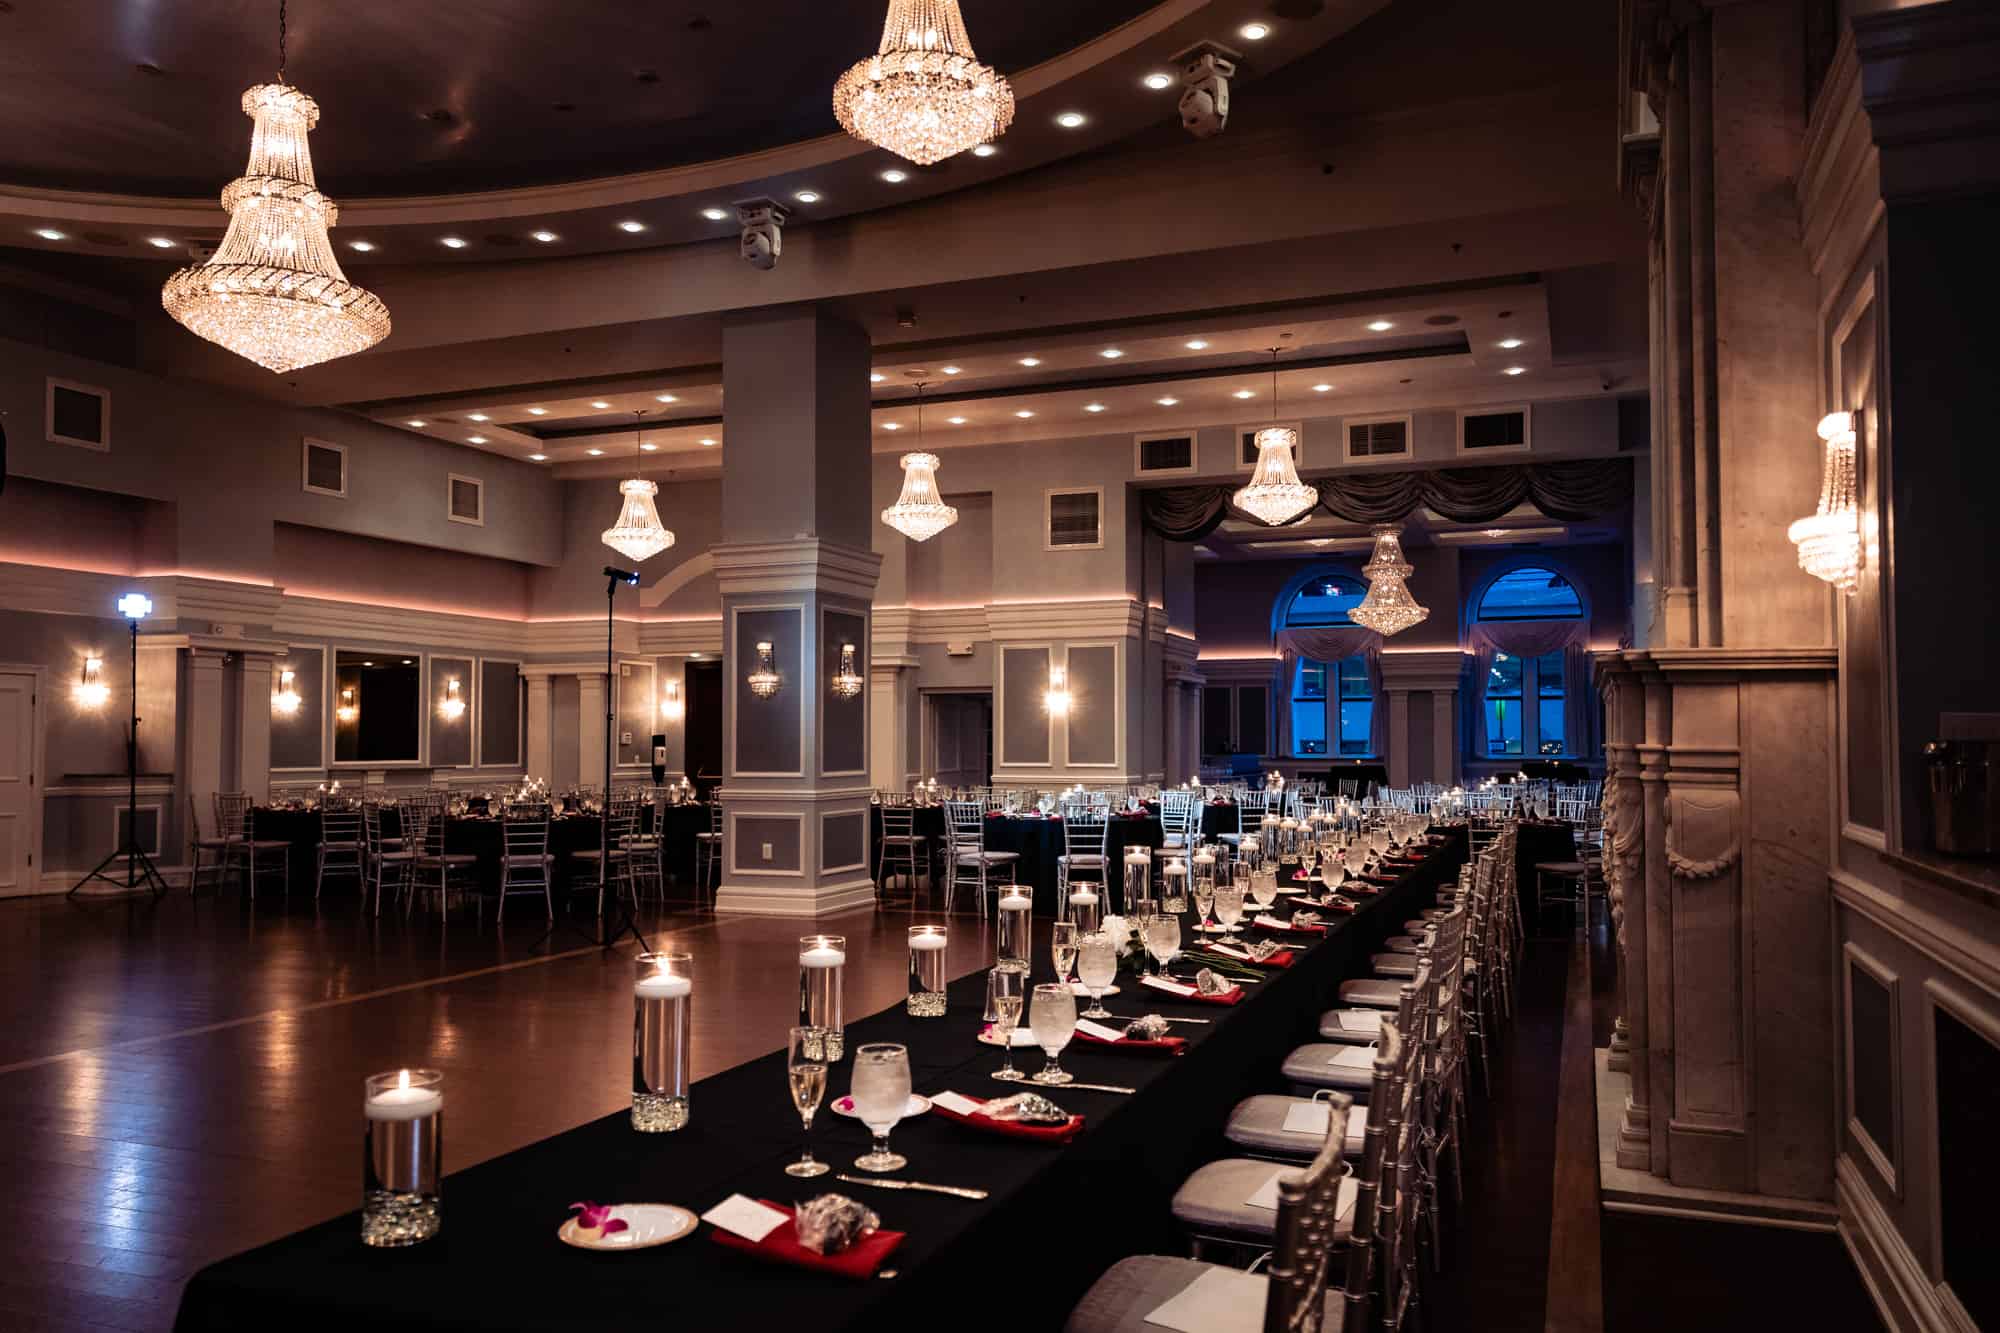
(926,998)
(1086,908)
(662,1028)
(1203,865)
(1173,883)
(1016,938)
(402,1156)
(1138,875)
(822,965)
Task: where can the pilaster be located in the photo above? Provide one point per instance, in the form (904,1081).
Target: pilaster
(590,740)
(541,726)
(253,724)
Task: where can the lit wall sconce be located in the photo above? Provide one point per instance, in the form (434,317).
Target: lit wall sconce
(847,684)
(1057,698)
(348,710)
(1829,539)
(91,691)
(672,709)
(764,680)
(286,701)
(452,707)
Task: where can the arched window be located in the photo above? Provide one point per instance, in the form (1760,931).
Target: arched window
(1332,707)
(1525,692)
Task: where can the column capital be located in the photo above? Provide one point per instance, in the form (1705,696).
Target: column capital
(801,564)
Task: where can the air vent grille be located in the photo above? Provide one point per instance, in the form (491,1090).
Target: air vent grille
(1379,439)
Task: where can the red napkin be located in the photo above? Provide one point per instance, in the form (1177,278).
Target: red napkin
(782,1246)
(1014,1128)
(1162,1046)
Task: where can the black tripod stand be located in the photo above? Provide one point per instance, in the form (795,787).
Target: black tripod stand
(139,868)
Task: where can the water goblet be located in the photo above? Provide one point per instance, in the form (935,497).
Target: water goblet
(1006,995)
(1163,940)
(1229,906)
(1264,888)
(1052,1018)
(1097,967)
(881,1092)
(805,1067)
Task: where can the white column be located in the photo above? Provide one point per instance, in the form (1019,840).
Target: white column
(889,723)
(541,729)
(253,726)
(201,738)
(590,699)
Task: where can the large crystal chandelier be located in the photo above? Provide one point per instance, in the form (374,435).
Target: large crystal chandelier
(273,291)
(638,534)
(920,513)
(924,95)
(1275,494)
(1388,608)
(1829,540)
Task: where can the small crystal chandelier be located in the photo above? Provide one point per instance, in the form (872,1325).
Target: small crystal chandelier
(1275,494)
(924,95)
(638,534)
(847,682)
(273,291)
(286,701)
(452,706)
(348,710)
(920,513)
(1829,540)
(1388,608)
(764,680)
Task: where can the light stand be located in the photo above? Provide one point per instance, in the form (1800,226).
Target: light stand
(139,868)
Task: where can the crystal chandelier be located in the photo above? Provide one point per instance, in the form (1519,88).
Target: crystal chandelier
(1275,494)
(847,682)
(924,95)
(286,700)
(273,291)
(638,534)
(1388,608)
(764,680)
(1829,540)
(920,513)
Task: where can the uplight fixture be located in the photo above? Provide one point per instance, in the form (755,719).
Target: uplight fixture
(764,681)
(924,95)
(1829,539)
(91,691)
(847,681)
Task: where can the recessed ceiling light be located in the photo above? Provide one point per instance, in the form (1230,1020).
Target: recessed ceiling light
(475,439)
(649,446)
(895,177)
(1515,370)
(1254,32)
(1024,414)
(632,225)
(1246,393)
(1493,532)
(715,214)
(538,458)
(1093,407)
(806,196)
(545,236)
(1168,402)
(453,242)
(1072,120)
(160,242)
(1031,361)
(415,425)
(477,416)
(363,246)
(1380,326)
(984,150)
(600,404)
(538,411)
(1196,344)
(707,444)
(1322,388)
(877,377)
(1509,344)
(890,425)
(1158,81)
(595,453)
(1111,353)
(50,234)
(950,370)
(956,421)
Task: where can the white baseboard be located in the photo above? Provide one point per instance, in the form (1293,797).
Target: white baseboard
(824,899)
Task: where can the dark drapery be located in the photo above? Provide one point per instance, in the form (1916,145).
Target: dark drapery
(1572,492)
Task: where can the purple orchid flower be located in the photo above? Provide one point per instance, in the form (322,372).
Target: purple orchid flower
(596,1217)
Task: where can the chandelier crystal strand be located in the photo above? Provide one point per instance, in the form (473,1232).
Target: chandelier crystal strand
(920,512)
(273,291)
(1829,540)
(638,534)
(1275,494)
(1388,608)
(924,95)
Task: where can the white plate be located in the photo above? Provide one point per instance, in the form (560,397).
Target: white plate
(916,1107)
(1082,992)
(646,1225)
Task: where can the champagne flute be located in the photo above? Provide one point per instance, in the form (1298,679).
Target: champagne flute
(1097,967)
(881,1092)
(805,1065)
(1006,994)
(1052,1018)
(1229,906)
(1204,901)
(1062,943)
(1163,940)
(1143,911)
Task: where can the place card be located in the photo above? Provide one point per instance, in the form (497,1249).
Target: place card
(1361,1020)
(1266,1194)
(1270,922)
(1170,987)
(1230,951)
(1098,1030)
(745,1217)
(957,1104)
(1354,1057)
(1313,1118)
(1216,1299)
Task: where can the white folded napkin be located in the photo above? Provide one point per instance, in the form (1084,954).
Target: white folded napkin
(1221,1300)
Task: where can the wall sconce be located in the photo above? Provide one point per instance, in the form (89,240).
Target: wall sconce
(286,701)
(348,710)
(1057,698)
(847,684)
(1829,538)
(453,705)
(672,709)
(764,680)
(91,691)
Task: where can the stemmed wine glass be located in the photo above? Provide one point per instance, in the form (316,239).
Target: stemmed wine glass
(1163,940)
(881,1093)
(1229,906)
(1006,995)
(805,1065)
(1052,1017)
(1096,967)
(1062,943)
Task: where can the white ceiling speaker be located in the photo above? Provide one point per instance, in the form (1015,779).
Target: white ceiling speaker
(1206,69)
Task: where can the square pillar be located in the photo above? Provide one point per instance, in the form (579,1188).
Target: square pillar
(201,731)
(253,724)
(590,748)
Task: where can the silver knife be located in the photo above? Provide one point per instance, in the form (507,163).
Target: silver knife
(1090,1087)
(958,1191)
(1169,1017)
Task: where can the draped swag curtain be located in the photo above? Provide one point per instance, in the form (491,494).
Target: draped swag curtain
(1528,639)
(1330,644)
(1572,492)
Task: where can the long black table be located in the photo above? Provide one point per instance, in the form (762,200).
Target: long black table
(1058,1215)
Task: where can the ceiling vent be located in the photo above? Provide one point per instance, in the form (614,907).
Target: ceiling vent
(1380,437)
(1495,430)
(1164,455)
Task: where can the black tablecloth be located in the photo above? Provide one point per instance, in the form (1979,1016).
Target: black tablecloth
(1537,844)
(1057,1218)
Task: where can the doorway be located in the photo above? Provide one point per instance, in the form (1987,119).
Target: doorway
(704,726)
(960,730)
(19,818)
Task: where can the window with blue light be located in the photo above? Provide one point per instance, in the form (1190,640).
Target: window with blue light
(1332,707)
(1525,697)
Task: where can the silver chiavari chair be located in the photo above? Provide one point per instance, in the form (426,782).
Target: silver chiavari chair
(708,854)
(236,820)
(616,875)
(900,850)
(340,851)
(525,863)
(388,861)
(1084,833)
(972,865)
